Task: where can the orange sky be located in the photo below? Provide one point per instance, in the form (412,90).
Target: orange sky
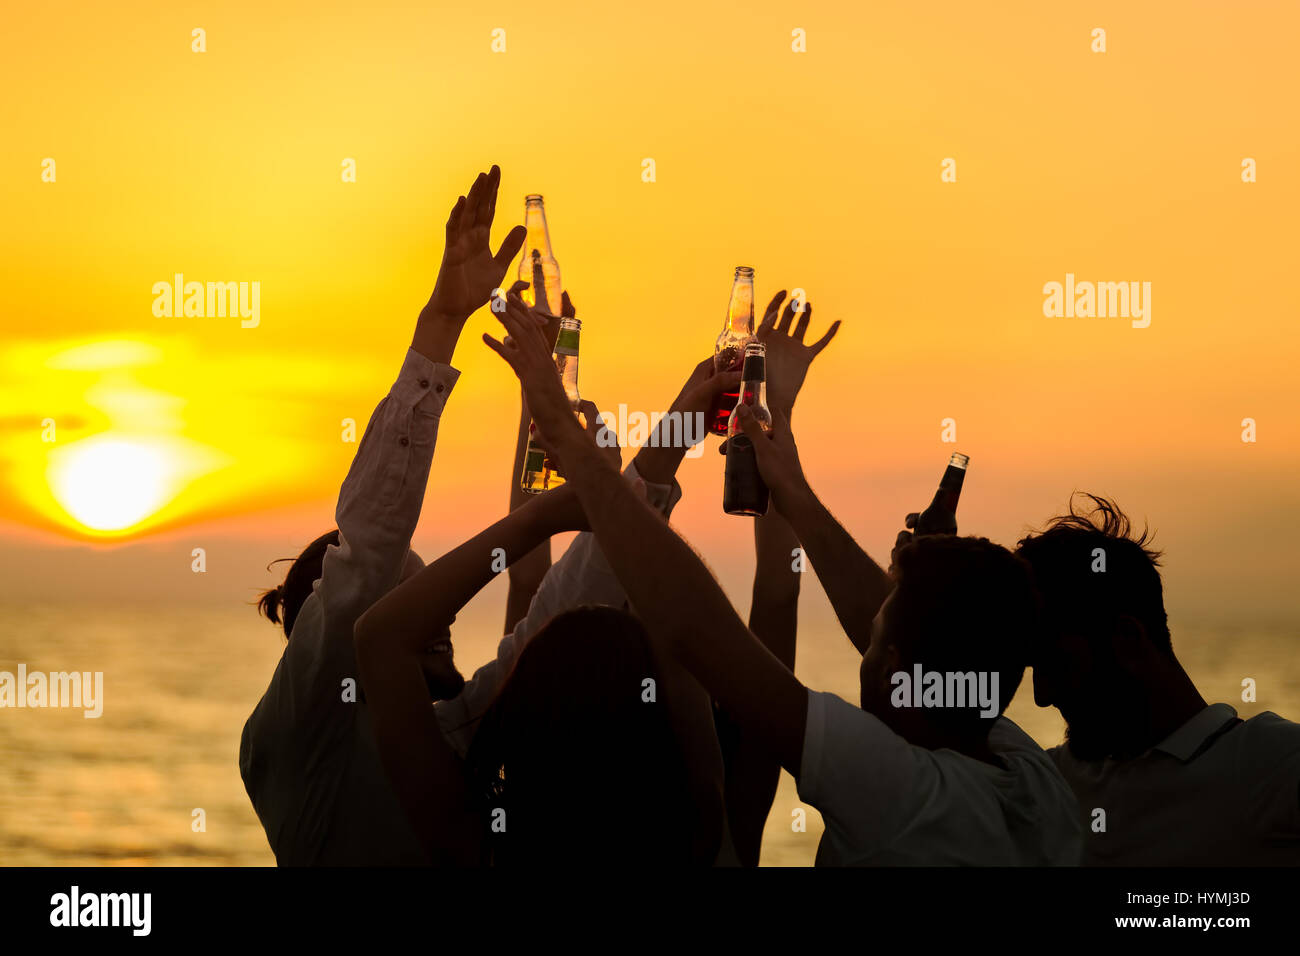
(819,169)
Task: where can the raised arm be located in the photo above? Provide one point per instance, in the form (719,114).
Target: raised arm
(380,501)
(669,587)
(469,273)
(752,773)
(856,585)
(526,574)
(690,705)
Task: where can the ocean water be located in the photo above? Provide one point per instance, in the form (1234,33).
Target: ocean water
(123,789)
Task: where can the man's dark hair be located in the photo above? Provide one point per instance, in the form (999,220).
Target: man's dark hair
(962,605)
(281,604)
(1063,556)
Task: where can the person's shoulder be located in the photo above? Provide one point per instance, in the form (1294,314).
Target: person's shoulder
(835,713)
(1006,737)
(1272,733)
(1023,754)
(1040,778)
(844,733)
(1274,723)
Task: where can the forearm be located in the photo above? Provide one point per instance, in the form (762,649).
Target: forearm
(774,605)
(855,584)
(378,509)
(658,464)
(525,577)
(660,457)
(526,574)
(660,573)
(436,335)
(752,773)
(426,774)
(582,575)
(425,604)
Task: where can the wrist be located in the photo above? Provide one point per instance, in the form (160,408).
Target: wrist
(560,429)
(658,465)
(539,517)
(434,315)
(794,497)
(435,337)
(560,511)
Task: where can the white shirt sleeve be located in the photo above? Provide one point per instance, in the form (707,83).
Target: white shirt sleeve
(378,508)
(582,576)
(857,772)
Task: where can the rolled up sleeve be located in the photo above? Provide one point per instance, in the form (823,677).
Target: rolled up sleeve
(379,506)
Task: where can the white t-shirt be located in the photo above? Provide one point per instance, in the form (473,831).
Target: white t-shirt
(886,802)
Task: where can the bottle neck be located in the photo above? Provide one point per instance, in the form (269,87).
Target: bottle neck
(566,360)
(569,379)
(754,393)
(740,309)
(753,381)
(952,479)
(539,236)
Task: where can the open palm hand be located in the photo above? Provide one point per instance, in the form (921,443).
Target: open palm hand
(469,271)
(787,356)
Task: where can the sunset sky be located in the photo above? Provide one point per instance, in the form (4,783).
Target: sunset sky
(821,169)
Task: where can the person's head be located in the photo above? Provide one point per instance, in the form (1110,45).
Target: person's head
(281,604)
(578,756)
(961,608)
(1104,631)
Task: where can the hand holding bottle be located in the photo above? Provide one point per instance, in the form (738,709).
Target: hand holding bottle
(567,311)
(604,438)
(703,387)
(903,539)
(525,349)
(777,456)
(658,460)
(941,516)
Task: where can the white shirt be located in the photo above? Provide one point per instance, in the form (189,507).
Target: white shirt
(886,802)
(308,757)
(1215,792)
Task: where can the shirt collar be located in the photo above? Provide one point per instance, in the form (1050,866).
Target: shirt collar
(1187,739)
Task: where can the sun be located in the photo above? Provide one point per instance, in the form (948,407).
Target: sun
(109,485)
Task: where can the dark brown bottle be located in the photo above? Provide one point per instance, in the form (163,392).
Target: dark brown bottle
(743,490)
(941,516)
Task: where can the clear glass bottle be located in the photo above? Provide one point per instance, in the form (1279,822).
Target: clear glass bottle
(540,473)
(537,254)
(729,350)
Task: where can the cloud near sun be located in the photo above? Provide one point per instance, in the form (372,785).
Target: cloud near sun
(112,437)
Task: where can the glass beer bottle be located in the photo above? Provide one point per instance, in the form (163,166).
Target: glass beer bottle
(743,490)
(538,253)
(539,472)
(729,350)
(941,516)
